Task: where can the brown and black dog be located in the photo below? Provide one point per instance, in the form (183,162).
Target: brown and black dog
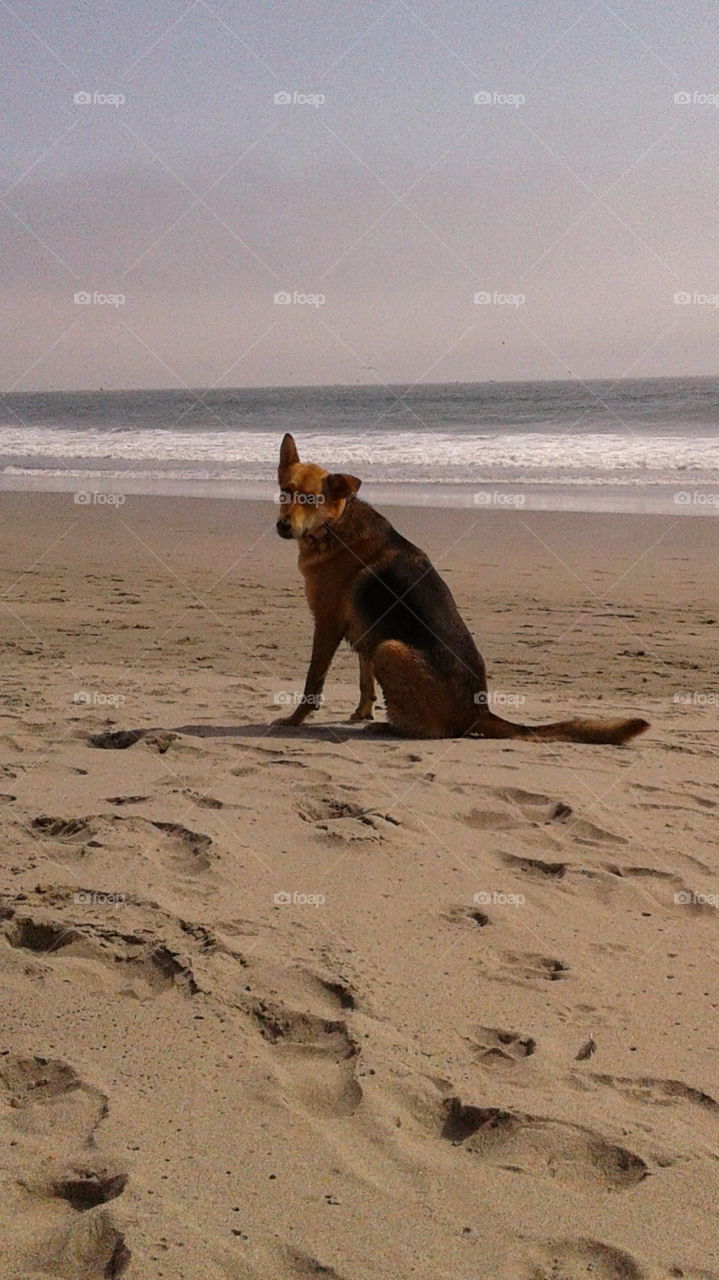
(367,584)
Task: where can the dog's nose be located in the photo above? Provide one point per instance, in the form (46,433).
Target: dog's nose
(284,528)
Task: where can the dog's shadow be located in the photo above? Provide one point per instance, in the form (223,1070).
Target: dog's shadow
(121,739)
(340,732)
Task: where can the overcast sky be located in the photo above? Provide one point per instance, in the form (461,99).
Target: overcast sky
(576,193)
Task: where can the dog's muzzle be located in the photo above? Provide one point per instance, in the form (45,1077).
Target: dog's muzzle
(284,528)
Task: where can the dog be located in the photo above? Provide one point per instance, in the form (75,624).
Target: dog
(367,584)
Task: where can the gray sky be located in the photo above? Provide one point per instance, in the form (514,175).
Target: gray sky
(581,191)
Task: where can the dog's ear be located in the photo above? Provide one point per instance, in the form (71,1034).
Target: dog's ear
(288,452)
(339,486)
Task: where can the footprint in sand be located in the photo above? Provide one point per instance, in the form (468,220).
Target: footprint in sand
(343,819)
(186,851)
(74,830)
(48,1105)
(666,888)
(575,1260)
(138,964)
(526,967)
(654,1091)
(46,1095)
(497,1047)
(303,1266)
(122,800)
(121,739)
(535,867)
(569,1153)
(469,917)
(540,808)
(315,1056)
(299,774)
(97,841)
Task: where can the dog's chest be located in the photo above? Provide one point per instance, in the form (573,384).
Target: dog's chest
(327,587)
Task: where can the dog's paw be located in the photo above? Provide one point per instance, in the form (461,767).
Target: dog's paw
(361,713)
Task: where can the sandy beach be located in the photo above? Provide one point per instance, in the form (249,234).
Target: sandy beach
(282,1004)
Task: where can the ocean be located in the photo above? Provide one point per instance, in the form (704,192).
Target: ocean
(632,445)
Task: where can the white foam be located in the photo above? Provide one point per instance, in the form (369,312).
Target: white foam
(398,456)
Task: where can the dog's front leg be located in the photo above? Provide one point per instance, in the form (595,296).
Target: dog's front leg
(324,647)
(363,711)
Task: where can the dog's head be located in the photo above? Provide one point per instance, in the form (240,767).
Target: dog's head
(309,496)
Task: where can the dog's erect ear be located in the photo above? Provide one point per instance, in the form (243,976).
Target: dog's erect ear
(340,486)
(288,452)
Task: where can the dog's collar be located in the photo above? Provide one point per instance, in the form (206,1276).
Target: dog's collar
(325,529)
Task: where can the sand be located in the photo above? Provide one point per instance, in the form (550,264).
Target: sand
(475,1036)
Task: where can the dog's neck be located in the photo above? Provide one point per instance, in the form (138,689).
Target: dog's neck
(334,529)
(329,535)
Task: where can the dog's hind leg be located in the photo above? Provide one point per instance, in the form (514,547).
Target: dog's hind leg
(419,705)
(363,711)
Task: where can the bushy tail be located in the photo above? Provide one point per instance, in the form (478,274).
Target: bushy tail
(612,732)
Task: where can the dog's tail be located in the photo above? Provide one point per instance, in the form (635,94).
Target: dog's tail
(611,732)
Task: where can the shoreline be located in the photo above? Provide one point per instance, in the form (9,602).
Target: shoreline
(691,499)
